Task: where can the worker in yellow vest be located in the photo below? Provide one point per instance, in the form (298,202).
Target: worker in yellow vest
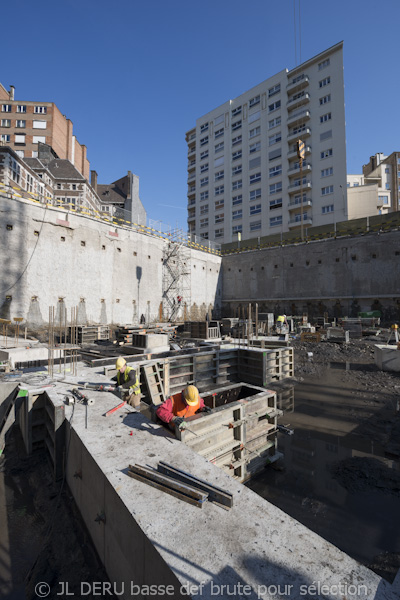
(282,324)
(127,379)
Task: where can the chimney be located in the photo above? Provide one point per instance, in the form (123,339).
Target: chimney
(11,92)
(93,180)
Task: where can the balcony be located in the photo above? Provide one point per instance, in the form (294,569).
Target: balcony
(299,116)
(296,187)
(296,204)
(297,84)
(192,163)
(296,222)
(306,132)
(191,151)
(296,170)
(293,153)
(191,189)
(191,177)
(298,100)
(191,218)
(192,201)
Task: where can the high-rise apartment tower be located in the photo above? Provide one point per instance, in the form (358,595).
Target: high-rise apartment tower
(243,168)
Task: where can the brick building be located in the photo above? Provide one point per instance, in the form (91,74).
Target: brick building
(25,123)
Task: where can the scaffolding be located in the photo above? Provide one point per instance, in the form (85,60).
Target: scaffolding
(176,281)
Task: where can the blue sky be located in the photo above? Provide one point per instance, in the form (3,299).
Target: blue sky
(134,76)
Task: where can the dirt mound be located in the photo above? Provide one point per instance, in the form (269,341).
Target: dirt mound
(359,474)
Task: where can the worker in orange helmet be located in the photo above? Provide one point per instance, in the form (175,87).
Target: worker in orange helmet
(180,406)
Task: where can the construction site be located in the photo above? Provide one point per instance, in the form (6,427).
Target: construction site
(270,489)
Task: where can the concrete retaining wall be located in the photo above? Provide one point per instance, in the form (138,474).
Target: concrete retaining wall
(58,258)
(340,276)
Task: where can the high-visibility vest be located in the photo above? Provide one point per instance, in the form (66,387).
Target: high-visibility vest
(135,387)
(281,319)
(180,408)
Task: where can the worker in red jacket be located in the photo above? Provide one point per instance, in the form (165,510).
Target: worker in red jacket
(180,406)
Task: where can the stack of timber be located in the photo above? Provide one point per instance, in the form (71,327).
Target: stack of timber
(127,334)
(240,434)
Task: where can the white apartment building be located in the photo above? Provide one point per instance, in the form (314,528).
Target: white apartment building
(376,190)
(243,169)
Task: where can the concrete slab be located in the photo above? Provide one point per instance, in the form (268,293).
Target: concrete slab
(27,354)
(165,541)
(387,358)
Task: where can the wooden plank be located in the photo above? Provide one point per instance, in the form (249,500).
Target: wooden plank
(215,494)
(168,484)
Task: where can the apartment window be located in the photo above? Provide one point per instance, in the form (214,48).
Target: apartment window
(254,101)
(356,184)
(237,229)
(324,82)
(237,185)
(219,190)
(204,236)
(255,162)
(327,172)
(274,139)
(255,226)
(326,117)
(274,171)
(236,140)
(20,138)
(203,195)
(274,90)
(327,190)
(237,125)
(219,119)
(327,209)
(203,154)
(274,106)
(5,137)
(254,147)
(387,186)
(203,181)
(6,122)
(204,209)
(236,170)
(219,147)
(326,153)
(219,133)
(277,203)
(219,233)
(255,178)
(42,110)
(297,130)
(255,194)
(236,200)
(21,108)
(274,221)
(204,127)
(204,222)
(236,111)
(275,187)
(325,99)
(254,117)
(323,64)
(236,155)
(204,168)
(219,175)
(237,214)
(383,199)
(219,218)
(204,140)
(219,204)
(275,154)
(6,108)
(39,124)
(255,210)
(218,162)
(387,170)
(20,124)
(298,182)
(274,122)
(254,132)
(39,138)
